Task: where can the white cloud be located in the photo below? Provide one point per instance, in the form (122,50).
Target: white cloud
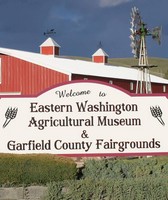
(111,3)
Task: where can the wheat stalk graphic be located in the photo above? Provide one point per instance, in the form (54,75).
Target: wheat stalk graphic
(10,114)
(157,113)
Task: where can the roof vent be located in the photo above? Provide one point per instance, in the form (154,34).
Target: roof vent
(50,47)
(100,56)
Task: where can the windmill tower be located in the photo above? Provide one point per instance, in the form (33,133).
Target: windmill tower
(139,32)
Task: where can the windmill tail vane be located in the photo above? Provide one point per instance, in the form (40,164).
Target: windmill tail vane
(156,34)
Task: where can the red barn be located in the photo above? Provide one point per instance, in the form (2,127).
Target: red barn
(28,73)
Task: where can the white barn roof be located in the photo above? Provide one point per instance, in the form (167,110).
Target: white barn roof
(70,66)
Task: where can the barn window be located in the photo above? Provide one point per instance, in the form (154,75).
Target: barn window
(85,79)
(110,81)
(164,88)
(131,86)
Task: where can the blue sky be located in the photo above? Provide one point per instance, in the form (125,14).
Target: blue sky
(80,25)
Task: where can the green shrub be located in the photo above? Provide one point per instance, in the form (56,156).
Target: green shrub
(117,179)
(54,191)
(35,169)
(126,168)
(148,188)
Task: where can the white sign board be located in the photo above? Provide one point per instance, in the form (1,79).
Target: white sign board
(84,119)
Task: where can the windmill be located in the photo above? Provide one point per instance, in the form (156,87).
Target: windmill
(139,32)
